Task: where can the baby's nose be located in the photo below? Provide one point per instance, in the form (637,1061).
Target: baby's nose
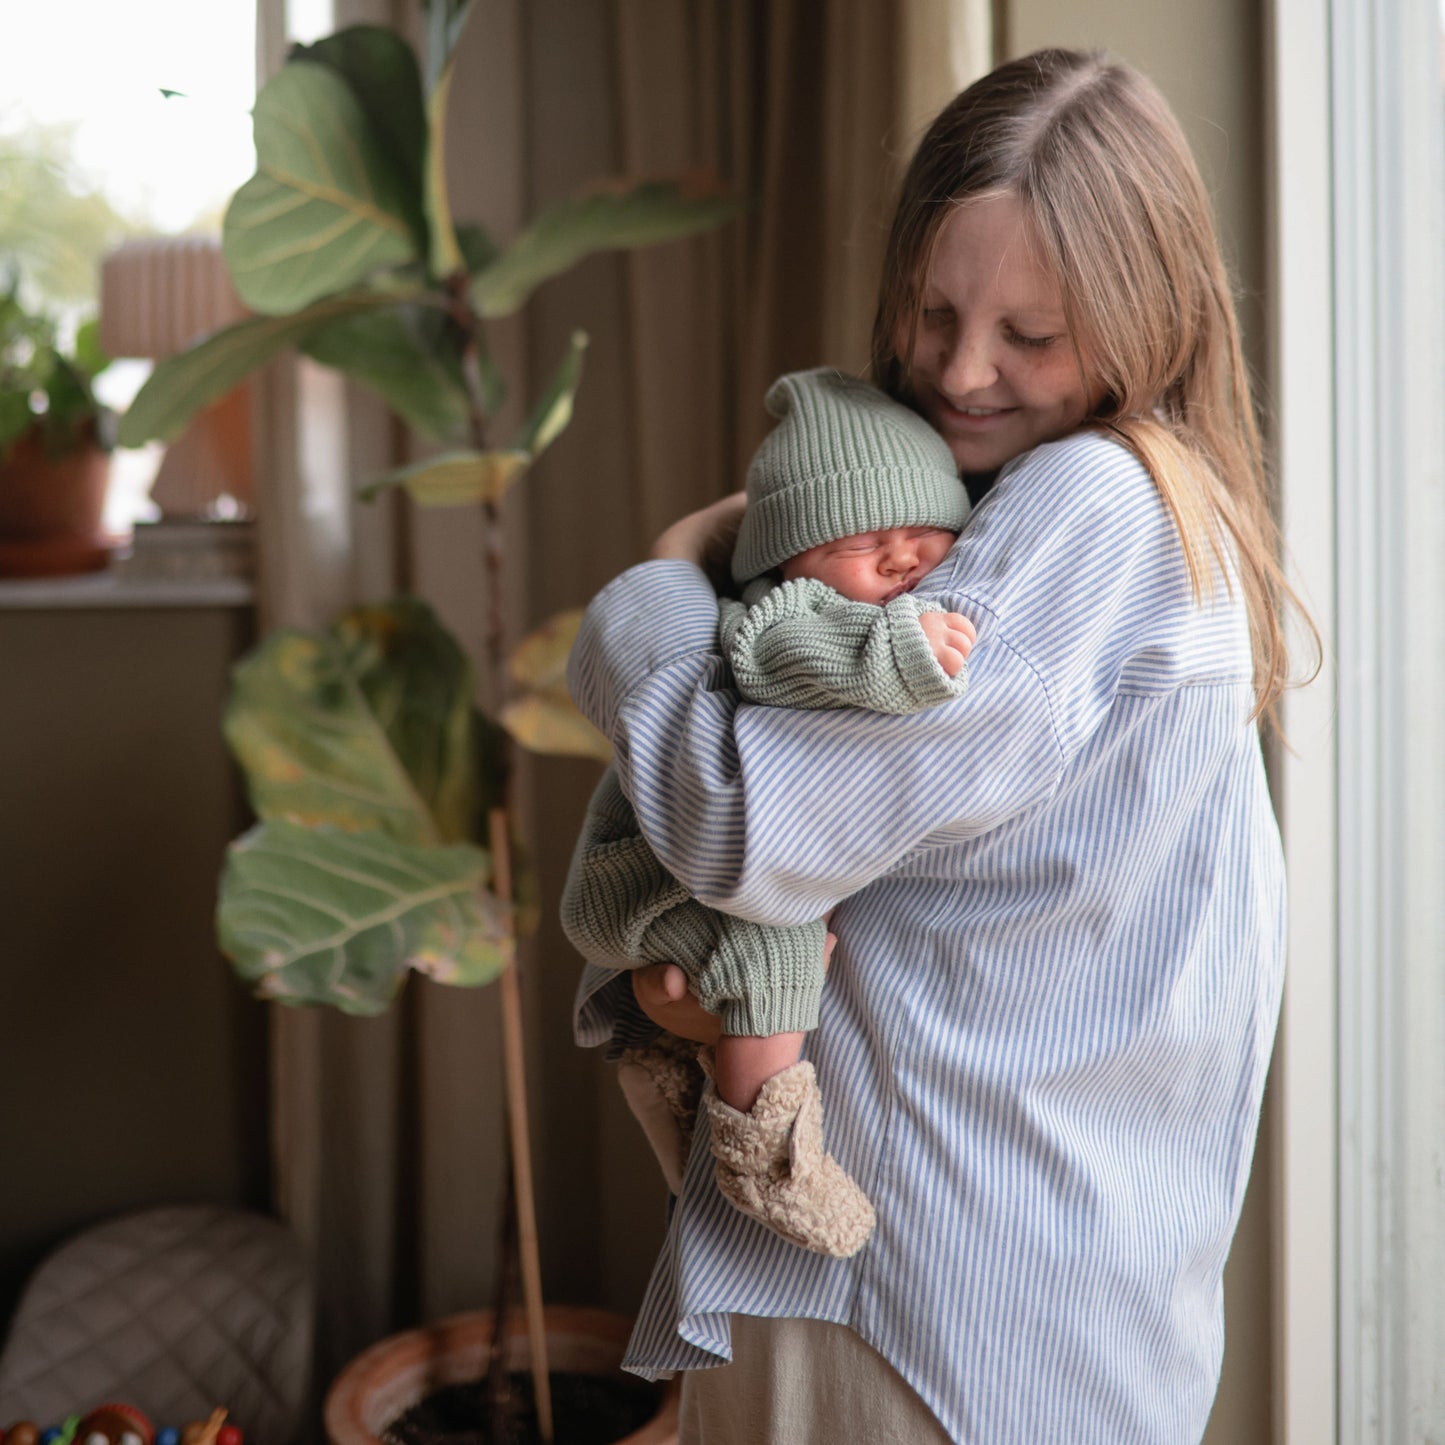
(901,554)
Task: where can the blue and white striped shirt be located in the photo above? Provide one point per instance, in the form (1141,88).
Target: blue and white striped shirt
(1045,1032)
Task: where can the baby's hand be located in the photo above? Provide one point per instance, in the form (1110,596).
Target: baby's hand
(951,636)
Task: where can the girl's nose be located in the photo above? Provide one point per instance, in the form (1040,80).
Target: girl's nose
(968,366)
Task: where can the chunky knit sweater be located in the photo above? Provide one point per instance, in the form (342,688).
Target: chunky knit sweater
(797,644)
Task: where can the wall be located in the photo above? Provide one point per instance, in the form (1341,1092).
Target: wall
(133,1066)
(1208,60)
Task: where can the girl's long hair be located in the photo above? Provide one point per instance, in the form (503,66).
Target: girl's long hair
(1118,210)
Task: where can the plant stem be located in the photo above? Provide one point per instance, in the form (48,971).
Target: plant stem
(525,1217)
(493,551)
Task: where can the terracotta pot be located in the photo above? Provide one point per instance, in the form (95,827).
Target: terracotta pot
(51,510)
(390,1377)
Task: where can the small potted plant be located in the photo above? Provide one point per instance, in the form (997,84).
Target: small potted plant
(385,840)
(55,442)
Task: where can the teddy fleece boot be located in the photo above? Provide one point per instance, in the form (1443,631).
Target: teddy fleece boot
(771,1164)
(662,1083)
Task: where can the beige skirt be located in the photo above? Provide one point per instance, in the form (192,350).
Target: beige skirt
(802,1382)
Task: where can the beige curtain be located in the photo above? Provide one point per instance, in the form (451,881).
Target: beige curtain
(388,1133)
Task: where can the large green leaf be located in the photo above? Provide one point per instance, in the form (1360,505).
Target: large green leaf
(365,726)
(543,717)
(407,354)
(553,412)
(182,384)
(320,915)
(381,69)
(326,206)
(419,684)
(623,216)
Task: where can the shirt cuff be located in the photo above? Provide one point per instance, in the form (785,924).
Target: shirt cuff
(641,621)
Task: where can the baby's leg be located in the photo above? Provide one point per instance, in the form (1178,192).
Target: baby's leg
(743,1064)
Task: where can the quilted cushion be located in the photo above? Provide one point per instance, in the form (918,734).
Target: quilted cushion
(173,1310)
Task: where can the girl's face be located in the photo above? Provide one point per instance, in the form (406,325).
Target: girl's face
(993,367)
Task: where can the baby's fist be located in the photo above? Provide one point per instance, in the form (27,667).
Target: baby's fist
(951,636)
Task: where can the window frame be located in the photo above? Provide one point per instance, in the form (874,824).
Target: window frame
(1360,337)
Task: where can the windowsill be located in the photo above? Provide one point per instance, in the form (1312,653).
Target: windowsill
(114,588)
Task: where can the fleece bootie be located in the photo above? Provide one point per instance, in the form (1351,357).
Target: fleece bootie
(771,1165)
(662,1083)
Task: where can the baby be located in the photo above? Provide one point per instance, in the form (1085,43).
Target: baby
(852,500)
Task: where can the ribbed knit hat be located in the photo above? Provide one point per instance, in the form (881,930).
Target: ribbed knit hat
(843,459)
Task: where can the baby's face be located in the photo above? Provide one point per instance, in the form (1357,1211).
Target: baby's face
(874,567)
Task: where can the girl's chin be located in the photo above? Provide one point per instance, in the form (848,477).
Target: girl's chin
(976,457)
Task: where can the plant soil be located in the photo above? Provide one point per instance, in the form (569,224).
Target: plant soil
(586,1410)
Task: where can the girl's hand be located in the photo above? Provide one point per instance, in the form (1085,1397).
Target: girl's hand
(706,537)
(662,994)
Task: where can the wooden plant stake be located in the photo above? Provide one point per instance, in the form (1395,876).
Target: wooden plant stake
(516,1079)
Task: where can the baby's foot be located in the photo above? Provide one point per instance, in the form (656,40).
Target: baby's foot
(662,1083)
(771,1165)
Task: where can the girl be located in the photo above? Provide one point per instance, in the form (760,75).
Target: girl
(1059,898)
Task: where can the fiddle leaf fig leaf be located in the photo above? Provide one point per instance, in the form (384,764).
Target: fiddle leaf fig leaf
(182,384)
(367,726)
(381,69)
(543,717)
(327,916)
(548,722)
(419,684)
(622,215)
(551,415)
(404,354)
(456,479)
(540,658)
(327,205)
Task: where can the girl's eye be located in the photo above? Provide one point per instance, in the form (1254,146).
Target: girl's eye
(1019,339)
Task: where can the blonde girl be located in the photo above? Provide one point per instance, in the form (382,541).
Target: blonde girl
(1058,899)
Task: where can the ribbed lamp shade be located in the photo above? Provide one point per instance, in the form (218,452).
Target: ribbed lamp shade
(160,294)
(157,296)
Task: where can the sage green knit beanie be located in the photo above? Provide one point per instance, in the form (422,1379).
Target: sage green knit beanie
(844,458)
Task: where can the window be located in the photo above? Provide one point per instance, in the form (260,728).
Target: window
(143,128)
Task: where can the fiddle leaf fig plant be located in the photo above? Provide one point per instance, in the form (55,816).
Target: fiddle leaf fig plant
(383,843)
(363,750)
(344,247)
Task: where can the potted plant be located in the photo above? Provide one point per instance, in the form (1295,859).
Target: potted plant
(55,441)
(384,842)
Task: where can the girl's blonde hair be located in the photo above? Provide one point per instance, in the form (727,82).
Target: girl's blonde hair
(1094,155)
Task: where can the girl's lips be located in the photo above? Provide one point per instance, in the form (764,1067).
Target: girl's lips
(972,418)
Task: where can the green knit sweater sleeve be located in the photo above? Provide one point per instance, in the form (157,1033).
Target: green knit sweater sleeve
(622,908)
(801,644)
